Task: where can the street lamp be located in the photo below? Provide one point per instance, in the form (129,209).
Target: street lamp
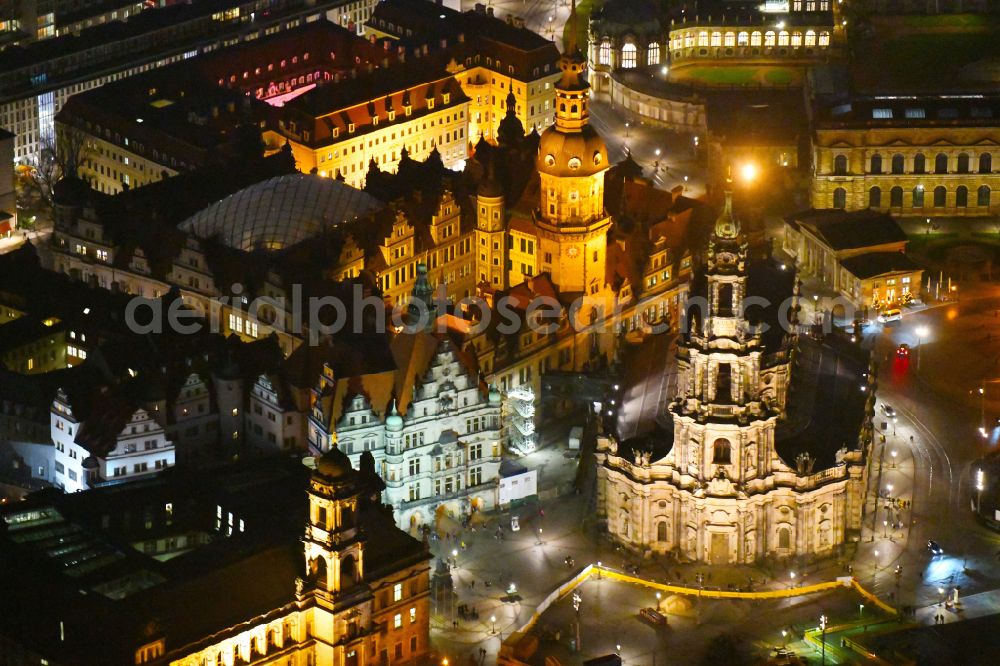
(822,624)
(539,536)
(893,454)
(784,636)
(749,172)
(921,333)
(656,163)
(980,485)
(941,592)
(861,611)
(493,624)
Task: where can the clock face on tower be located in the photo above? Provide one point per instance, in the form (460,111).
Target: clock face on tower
(572,252)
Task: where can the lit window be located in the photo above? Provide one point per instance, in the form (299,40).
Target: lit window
(413,615)
(604,53)
(628,56)
(397,591)
(397,621)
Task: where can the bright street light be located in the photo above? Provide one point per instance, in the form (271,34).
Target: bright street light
(749,172)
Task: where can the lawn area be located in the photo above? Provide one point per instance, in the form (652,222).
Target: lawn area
(779,77)
(721,75)
(946,21)
(583,10)
(925,59)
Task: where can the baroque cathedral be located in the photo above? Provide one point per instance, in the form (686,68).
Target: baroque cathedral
(754,466)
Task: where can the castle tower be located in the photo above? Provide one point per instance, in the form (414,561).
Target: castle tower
(572,158)
(334,547)
(490,224)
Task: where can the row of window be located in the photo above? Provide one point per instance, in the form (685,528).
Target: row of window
(897,164)
(940,197)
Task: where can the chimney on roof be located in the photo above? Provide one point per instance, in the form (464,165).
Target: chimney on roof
(509,18)
(480,8)
(489,11)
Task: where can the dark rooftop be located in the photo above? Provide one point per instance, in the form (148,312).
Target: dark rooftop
(873,264)
(848,230)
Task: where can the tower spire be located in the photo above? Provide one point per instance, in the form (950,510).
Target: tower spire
(570,45)
(726,225)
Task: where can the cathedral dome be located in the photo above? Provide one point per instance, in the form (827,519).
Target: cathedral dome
(571,154)
(334,464)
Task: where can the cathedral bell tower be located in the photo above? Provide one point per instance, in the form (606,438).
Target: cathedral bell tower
(723,430)
(572,158)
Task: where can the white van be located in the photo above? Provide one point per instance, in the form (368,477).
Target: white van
(892,314)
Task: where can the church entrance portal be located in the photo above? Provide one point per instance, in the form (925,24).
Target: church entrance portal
(719,548)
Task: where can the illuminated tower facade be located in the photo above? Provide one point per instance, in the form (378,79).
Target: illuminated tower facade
(572,158)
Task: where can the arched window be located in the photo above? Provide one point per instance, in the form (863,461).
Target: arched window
(824,39)
(689,39)
(810,38)
(755,38)
(840,198)
(796,39)
(983,196)
(716,38)
(703,38)
(918,196)
(604,53)
(896,197)
(784,537)
(661,530)
(721,452)
(941,163)
(898,163)
(769,38)
(840,165)
(961,196)
(876,163)
(653,54)
(628,56)
(919,163)
(729,39)
(963,163)
(783,38)
(875,197)
(940,196)
(743,38)
(986,163)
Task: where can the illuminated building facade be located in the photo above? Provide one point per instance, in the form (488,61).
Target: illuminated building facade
(321,578)
(436,442)
(489,56)
(732,483)
(628,36)
(914,155)
(37,78)
(861,255)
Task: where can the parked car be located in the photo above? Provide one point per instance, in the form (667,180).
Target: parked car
(892,314)
(653,616)
(934,547)
(888,410)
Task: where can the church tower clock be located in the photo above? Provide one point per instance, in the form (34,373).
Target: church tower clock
(572,158)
